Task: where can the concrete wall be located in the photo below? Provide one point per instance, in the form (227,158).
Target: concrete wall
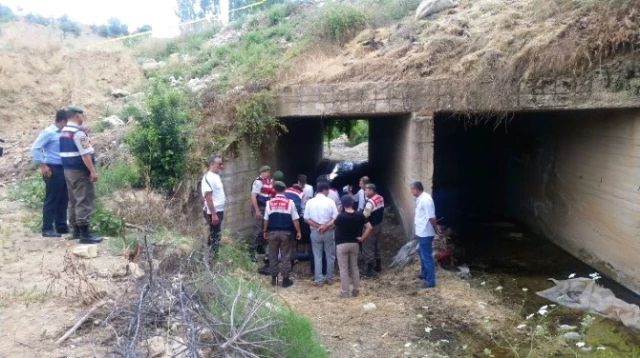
(582,189)
(237,178)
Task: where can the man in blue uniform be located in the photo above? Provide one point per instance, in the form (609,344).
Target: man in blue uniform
(78,161)
(46,152)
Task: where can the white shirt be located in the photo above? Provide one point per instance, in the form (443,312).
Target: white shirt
(333,195)
(307,194)
(360,199)
(211,182)
(425,209)
(321,209)
(291,210)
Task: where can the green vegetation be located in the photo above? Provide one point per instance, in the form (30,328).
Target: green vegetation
(357,131)
(6,14)
(341,23)
(38,19)
(296,333)
(257,121)
(113,28)
(68,26)
(160,141)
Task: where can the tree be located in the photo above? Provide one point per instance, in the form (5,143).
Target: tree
(186,10)
(144,28)
(68,26)
(117,28)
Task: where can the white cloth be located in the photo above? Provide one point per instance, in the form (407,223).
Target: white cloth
(425,209)
(360,199)
(211,182)
(333,195)
(307,194)
(321,209)
(290,209)
(256,187)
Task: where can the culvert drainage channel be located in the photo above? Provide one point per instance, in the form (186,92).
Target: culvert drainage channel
(515,263)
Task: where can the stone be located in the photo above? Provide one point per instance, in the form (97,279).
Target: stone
(119,93)
(430,7)
(135,98)
(152,65)
(86,251)
(369,307)
(134,270)
(114,121)
(156,346)
(566,327)
(206,335)
(571,336)
(196,85)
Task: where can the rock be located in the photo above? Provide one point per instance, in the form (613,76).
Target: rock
(196,85)
(152,65)
(571,336)
(206,335)
(86,251)
(114,121)
(566,327)
(134,270)
(119,93)
(135,98)
(430,7)
(369,307)
(157,346)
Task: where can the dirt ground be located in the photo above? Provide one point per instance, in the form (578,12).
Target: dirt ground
(36,309)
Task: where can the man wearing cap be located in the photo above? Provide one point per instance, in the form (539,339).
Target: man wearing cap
(261,192)
(278,175)
(320,213)
(46,152)
(426,228)
(78,161)
(280,221)
(214,200)
(374,212)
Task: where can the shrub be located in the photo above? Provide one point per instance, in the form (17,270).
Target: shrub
(117,177)
(277,13)
(296,332)
(359,133)
(6,14)
(160,141)
(384,10)
(131,111)
(68,26)
(341,23)
(257,122)
(38,19)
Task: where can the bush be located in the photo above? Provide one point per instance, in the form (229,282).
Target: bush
(117,177)
(341,23)
(296,332)
(113,28)
(30,191)
(359,133)
(6,14)
(130,112)
(38,19)
(277,13)
(384,10)
(68,26)
(257,123)
(160,141)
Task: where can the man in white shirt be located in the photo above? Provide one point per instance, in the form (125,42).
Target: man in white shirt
(359,197)
(320,213)
(307,190)
(426,228)
(214,200)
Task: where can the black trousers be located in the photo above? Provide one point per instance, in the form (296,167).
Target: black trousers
(214,232)
(56,200)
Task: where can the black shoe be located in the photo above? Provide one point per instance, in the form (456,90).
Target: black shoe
(378,267)
(369,271)
(274,281)
(63,230)
(287,282)
(76,232)
(88,238)
(264,270)
(50,233)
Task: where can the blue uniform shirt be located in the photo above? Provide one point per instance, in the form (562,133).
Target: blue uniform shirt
(46,148)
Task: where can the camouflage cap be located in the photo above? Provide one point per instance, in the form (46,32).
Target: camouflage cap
(75,109)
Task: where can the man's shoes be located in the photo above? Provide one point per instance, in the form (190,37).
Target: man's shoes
(287,282)
(420,277)
(318,283)
(329,281)
(50,233)
(343,294)
(378,267)
(424,285)
(76,232)
(355,293)
(62,230)
(368,272)
(88,238)
(264,270)
(274,281)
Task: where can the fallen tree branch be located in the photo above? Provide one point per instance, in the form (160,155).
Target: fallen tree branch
(138,227)
(80,322)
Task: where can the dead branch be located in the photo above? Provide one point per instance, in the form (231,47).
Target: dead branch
(80,322)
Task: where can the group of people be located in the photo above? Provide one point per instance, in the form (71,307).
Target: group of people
(347,228)
(66,161)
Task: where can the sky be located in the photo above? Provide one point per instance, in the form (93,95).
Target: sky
(160,14)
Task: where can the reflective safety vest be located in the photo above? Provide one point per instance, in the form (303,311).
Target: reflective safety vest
(377,209)
(280,214)
(69,153)
(266,191)
(296,196)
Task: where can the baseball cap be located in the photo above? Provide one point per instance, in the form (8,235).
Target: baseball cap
(265,168)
